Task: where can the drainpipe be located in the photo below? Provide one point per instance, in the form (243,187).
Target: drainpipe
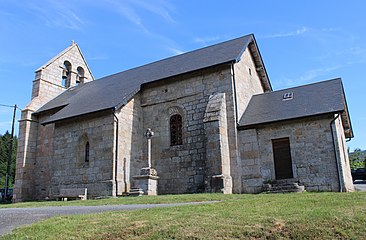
(116,153)
(235,97)
(336,155)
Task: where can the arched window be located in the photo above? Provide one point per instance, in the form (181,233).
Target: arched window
(66,74)
(80,75)
(175,130)
(87,146)
(83,151)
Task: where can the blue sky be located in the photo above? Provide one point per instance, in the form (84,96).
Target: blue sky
(300,41)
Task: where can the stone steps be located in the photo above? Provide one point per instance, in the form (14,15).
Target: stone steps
(283,186)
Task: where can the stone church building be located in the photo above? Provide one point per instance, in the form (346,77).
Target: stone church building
(219,127)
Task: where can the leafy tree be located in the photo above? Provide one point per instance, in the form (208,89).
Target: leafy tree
(357,159)
(4,155)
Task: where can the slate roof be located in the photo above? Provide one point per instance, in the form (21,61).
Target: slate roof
(308,100)
(116,90)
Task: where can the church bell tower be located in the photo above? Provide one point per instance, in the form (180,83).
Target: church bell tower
(67,69)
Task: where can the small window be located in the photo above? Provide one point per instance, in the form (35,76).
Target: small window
(176,130)
(87,146)
(250,72)
(83,151)
(288,96)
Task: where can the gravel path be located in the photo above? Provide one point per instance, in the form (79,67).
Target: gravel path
(11,218)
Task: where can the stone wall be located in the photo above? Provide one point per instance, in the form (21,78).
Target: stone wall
(181,168)
(43,161)
(48,80)
(69,169)
(217,170)
(26,155)
(247,83)
(313,158)
(341,148)
(130,144)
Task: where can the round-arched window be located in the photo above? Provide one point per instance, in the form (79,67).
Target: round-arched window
(176,130)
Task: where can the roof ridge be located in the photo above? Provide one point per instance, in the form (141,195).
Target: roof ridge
(182,54)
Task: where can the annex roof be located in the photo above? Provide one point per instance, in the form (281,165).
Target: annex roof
(298,102)
(116,90)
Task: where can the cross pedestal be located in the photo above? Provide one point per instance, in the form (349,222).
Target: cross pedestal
(147,181)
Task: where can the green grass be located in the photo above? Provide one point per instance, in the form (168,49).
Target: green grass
(127,200)
(262,216)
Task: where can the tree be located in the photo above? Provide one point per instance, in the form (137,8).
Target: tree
(4,155)
(357,159)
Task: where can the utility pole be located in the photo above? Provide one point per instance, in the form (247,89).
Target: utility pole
(10,154)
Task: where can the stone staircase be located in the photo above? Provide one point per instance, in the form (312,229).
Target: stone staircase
(283,186)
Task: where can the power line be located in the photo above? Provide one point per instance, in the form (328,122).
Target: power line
(5,105)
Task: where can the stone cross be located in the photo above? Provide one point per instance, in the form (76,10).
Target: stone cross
(149,134)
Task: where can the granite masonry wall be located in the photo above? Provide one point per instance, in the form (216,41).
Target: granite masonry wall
(26,155)
(313,157)
(218,176)
(48,80)
(182,168)
(69,169)
(42,165)
(341,148)
(247,83)
(130,144)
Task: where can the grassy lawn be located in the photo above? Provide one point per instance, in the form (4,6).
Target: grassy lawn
(262,216)
(129,200)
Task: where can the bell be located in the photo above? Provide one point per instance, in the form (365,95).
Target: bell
(64,73)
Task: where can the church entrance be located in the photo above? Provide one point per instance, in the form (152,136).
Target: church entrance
(282,158)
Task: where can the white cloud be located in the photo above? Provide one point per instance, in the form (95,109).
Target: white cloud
(130,9)
(207,40)
(160,8)
(314,73)
(127,11)
(297,32)
(55,13)
(175,51)
(308,77)
(357,51)
(330,29)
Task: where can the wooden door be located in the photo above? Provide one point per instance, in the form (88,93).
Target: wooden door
(282,158)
